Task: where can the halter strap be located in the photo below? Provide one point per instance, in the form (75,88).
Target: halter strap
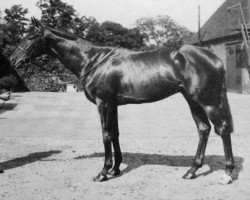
(30,49)
(26,52)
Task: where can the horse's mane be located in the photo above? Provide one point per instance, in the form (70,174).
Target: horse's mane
(70,36)
(63,34)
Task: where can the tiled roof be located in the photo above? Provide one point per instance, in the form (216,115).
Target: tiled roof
(222,23)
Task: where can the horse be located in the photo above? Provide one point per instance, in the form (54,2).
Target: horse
(112,77)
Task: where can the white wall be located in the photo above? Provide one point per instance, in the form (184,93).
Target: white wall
(71,88)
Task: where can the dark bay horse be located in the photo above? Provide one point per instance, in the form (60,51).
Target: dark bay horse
(116,76)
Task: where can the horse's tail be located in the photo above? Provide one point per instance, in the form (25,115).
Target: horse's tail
(224,105)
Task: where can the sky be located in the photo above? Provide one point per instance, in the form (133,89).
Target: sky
(126,12)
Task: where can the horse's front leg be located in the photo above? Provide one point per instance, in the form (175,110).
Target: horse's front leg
(115,141)
(106,111)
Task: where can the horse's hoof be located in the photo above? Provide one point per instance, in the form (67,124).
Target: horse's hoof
(114,172)
(1,171)
(189,175)
(225,179)
(100,178)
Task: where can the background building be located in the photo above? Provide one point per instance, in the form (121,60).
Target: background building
(222,35)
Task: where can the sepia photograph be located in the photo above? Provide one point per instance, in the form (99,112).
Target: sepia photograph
(124,99)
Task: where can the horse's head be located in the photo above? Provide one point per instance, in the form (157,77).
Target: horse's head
(31,46)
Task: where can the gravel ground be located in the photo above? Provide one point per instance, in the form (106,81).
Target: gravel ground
(51,147)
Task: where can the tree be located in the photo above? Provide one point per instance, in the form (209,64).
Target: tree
(17,23)
(86,27)
(60,15)
(57,14)
(162,31)
(114,34)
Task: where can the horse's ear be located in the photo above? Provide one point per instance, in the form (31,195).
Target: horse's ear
(33,20)
(36,23)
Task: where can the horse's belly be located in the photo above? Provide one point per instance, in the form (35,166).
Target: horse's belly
(145,93)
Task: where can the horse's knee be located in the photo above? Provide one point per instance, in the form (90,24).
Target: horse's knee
(107,136)
(224,129)
(222,120)
(204,130)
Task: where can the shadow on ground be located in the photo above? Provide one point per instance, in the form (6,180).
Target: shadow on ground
(33,157)
(135,160)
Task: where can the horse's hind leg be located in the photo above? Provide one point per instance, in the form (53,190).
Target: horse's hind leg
(204,128)
(222,120)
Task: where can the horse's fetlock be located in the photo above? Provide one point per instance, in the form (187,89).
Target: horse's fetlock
(118,159)
(230,164)
(198,163)
(109,164)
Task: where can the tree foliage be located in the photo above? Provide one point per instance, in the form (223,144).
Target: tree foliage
(17,23)
(114,34)
(162,31)
(57,14)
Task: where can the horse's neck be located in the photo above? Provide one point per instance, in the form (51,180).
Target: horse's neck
(72,53)
(78,55)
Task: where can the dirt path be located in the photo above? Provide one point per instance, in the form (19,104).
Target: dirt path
(51,147)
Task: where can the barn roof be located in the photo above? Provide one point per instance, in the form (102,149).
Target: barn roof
(222,24)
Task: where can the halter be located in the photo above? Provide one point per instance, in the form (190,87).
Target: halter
(29,51)
(23,50)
